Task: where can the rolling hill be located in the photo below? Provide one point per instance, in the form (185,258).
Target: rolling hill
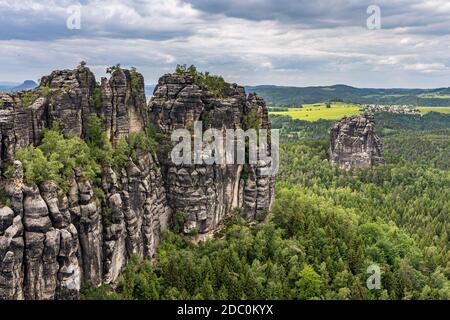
(303,95)
(14,87)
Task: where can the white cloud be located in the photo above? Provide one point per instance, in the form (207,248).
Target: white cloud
(427,67)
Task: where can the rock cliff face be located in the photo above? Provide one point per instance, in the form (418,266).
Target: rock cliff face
(123,103)
(354,143)
(205,194)
(53,241)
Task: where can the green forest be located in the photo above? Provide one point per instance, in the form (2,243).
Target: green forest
(327,227)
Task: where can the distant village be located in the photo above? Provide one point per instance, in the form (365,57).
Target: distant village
(401,109)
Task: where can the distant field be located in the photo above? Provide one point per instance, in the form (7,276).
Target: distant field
(424,110)
(435,96)
(314,112)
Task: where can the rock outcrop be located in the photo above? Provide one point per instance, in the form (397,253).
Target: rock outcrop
(123,103)
(52,241)
(354,143)
(205,194)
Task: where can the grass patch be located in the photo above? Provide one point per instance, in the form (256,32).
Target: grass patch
(314,112)
(215,84)
(424,110)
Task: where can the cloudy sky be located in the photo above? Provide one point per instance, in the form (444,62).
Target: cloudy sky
(284,42)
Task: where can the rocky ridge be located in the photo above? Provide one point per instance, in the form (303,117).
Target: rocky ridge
(53,241)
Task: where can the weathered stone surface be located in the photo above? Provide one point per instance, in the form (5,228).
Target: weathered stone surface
(69,273)
(57,204)
(36,218)
(6,218)
(13,189)
(354,143)
(123,103)
(90,230)
(71,99)
(11,260)
(19,125)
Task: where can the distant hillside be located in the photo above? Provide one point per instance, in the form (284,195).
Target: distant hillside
(26,85)
(30,84)
(6,86)
(300,95)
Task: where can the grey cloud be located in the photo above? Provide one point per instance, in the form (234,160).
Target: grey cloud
(332,13)
(46,20)
(318,13)
(159,20)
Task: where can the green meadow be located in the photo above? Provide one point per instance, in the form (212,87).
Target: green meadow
(317,111)
(338,110)
(424,110)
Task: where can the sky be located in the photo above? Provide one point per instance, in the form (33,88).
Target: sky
(251,42)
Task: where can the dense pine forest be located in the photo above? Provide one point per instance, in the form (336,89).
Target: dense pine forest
(326,228)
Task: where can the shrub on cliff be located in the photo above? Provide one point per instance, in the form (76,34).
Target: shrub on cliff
(38,168)
(127,148)
(135,79)
(28,98)
(97,96)
(137,85)
(252,121)
(97,140)
(56,159)
(215,84)
(112,69)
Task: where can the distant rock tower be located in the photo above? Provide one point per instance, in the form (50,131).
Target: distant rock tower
(354,143)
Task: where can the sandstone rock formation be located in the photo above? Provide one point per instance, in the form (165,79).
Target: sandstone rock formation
(205,194)
(54,241)
(354,143)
